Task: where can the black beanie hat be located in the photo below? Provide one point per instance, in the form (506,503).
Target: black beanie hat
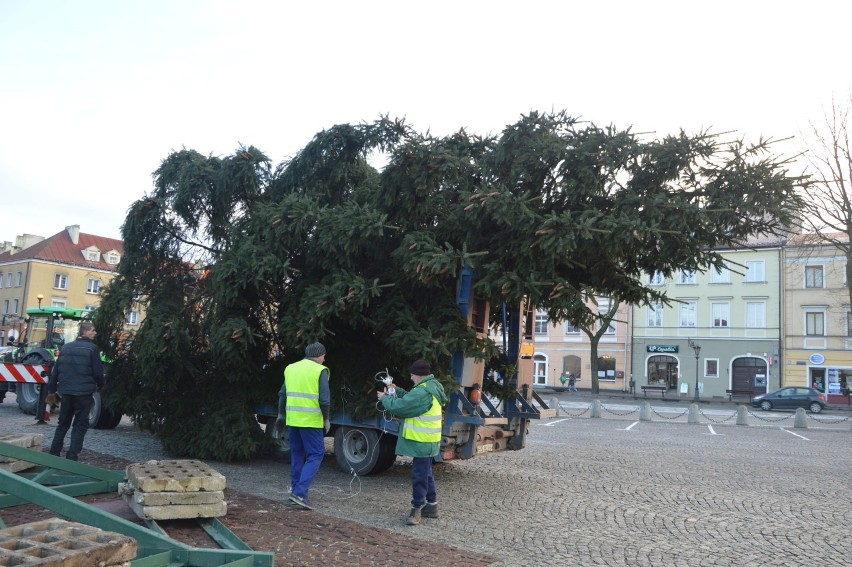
(420,368)
(314,350)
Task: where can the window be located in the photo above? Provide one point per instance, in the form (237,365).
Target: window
(94,286)
(849,323)
(687,314)
(722,275)
(754,271)
(92,255)
(112,258)
(1,279)
(711,367)
(655,315)
(756,314)
(606,368)
(656,278)
(15,306)
(132,318)
(815,323)
(813,276)
(721,314)
(9,279)
(90,307)
(5,306)
(571,329)
(59,302)
(687,277)
(60,281)
(540,323)
(604,306)
(19,278)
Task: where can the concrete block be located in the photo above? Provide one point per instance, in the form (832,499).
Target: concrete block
(16,466)
(168,498)
(174,476)
(27,440)
(58,543)
(177,511)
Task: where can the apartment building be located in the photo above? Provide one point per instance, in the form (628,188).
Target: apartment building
(818,329)
(67,269)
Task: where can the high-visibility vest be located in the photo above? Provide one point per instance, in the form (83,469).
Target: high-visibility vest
(425,428)
(302,382)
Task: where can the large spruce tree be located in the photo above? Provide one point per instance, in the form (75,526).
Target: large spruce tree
(241,264)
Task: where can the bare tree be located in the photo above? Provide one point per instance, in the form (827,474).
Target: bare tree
(828,204)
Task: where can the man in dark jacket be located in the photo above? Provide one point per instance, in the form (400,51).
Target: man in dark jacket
(77,374)
(420,435)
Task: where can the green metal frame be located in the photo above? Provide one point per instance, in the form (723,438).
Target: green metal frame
(60,480)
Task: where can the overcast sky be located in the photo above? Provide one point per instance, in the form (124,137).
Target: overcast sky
(94,94)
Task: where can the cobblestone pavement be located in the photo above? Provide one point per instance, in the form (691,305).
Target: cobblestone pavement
(611,491)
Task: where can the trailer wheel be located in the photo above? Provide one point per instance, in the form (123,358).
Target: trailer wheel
(100,417)
(363,451)
(27,392)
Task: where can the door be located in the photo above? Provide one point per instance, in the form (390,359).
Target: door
(749,373)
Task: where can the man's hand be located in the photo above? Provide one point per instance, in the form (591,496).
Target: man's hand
(326,425)
(379,395)
(280,422)
(52,399)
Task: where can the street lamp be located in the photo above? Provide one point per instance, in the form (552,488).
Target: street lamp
(40,298)
(697,350)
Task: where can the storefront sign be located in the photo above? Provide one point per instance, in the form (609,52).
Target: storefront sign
(816,358)
(662,348)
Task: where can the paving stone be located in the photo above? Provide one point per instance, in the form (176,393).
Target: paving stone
(58,543)
(174,476)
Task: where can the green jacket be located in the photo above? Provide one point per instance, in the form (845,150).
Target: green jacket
(412,404)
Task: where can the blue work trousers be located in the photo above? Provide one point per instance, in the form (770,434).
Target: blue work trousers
(307,450)
(422,482)
(72,409)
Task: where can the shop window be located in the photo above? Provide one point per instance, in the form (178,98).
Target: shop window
(606,367)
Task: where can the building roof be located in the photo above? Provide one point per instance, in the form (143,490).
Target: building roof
(811,239)
(62,249)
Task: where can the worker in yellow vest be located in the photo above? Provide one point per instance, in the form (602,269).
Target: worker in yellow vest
(420,435)
(303,406)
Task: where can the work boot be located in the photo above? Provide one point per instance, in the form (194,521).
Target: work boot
(430,510)
(414,517)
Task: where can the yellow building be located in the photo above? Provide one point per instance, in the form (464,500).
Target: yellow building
(68,269)
(818,324)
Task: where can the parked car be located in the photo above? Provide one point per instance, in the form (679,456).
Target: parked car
(790,398)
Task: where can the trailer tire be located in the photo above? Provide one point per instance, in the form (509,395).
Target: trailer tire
(363,451)
(100,417)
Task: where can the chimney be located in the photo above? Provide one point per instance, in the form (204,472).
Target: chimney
(74,233)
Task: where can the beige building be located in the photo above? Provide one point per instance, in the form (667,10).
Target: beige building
(68,269)
(563,347)
(818,330)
